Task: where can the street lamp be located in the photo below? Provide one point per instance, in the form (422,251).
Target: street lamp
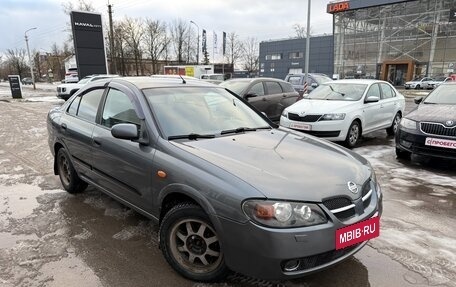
(30,59)
(198,46)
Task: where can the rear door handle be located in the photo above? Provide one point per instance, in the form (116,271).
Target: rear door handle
(96,142)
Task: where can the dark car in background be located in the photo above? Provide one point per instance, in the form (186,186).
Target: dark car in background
(224,183)
(314,80)
(268,95)
(430,129)
(27,81)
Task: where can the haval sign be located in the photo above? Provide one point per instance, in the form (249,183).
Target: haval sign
(338,7)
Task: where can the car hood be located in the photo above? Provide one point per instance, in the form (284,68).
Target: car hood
(319,106)
(282,164)
(433,113)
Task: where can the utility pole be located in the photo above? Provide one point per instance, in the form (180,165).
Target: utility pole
(111,41)
(30,59)
(307,46)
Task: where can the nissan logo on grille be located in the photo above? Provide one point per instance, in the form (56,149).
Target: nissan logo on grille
(352,187)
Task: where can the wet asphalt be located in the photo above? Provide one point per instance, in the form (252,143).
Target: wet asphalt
(51,238)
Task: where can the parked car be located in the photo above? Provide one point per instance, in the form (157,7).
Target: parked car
(268,95)
(419,83)
(430,129)
(315,79)
(440,80)
(225,184)
(71,76)
(213,78)
(27,81)
(344,110)
(65,91)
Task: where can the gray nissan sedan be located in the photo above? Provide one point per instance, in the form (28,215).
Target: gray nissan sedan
(229,189)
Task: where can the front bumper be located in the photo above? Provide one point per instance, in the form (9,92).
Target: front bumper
(329,130)
(414,141)
(262,252)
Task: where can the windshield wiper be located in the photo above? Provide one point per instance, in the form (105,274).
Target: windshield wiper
(337,92)
(191,136)
(429,103)
(242,129)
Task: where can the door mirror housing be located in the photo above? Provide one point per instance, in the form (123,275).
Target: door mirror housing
(418,100)
(125,131)
(250,95)
(372,99)
(314,85)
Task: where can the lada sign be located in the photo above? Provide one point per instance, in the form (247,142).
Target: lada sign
(338,7)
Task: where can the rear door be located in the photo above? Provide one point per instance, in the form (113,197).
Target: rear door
(123,167)
(77,125)
(273,99)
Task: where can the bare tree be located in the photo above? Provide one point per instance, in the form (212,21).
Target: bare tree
(251,54)
(179,30)
(133,36)
(301,31)
(234,48)
(157,41)
(15,60)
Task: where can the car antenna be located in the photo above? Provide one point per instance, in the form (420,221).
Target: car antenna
(183,81)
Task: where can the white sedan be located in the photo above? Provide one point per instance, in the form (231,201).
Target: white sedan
(346,109)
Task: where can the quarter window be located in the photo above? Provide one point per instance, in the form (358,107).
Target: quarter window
(118,109)
(89,105)
(73,109)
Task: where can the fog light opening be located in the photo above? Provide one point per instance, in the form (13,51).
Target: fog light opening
(291,265)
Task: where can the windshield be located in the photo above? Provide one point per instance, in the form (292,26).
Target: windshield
(200,110)
(236,86)
(84,80)
(443,94)
(338,92)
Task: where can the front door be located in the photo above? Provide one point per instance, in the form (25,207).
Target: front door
(124,167)
(372,111)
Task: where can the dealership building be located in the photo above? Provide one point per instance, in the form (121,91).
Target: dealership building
(393,40)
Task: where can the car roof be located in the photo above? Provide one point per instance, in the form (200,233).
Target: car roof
(356,81)
(158,82)
(255,80)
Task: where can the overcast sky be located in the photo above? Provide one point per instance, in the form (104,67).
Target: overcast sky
(262,19)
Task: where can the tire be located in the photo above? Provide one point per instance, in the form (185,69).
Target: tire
(68,175)
(417,87)
(391,131)
(195,255)
(403,154)
(353,135)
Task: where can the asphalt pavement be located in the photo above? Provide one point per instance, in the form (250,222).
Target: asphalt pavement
(51,238)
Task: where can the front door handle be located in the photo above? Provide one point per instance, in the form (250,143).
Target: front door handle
(96,142)
(63,126)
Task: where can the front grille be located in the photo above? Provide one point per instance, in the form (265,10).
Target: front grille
(438,129)
(340,202)
(306,118)
(434,151)
(322,258)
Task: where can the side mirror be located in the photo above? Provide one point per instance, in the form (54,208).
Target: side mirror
(372,99)
(314,85)
(125,131)
(418,100)
(250,95)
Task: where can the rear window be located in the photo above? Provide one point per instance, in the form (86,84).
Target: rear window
(287,87)
(294,80)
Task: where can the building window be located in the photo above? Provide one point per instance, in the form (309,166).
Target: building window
(295,55)
(274,57)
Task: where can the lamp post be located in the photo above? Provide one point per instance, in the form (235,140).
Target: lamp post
(30,59)
(198,41)
(307,45)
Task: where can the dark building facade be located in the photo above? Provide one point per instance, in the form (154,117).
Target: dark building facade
(394,40)
(280,57)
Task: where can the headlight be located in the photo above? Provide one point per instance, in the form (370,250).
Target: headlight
(282,214)
(285,114)
(408,124)
(332,117)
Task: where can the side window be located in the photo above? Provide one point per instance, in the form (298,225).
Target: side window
(257,89)
(287,88)
(387,92)
(294,80)
(73,108)
(89,105)
(374,91)
(273,88)
(118,109)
